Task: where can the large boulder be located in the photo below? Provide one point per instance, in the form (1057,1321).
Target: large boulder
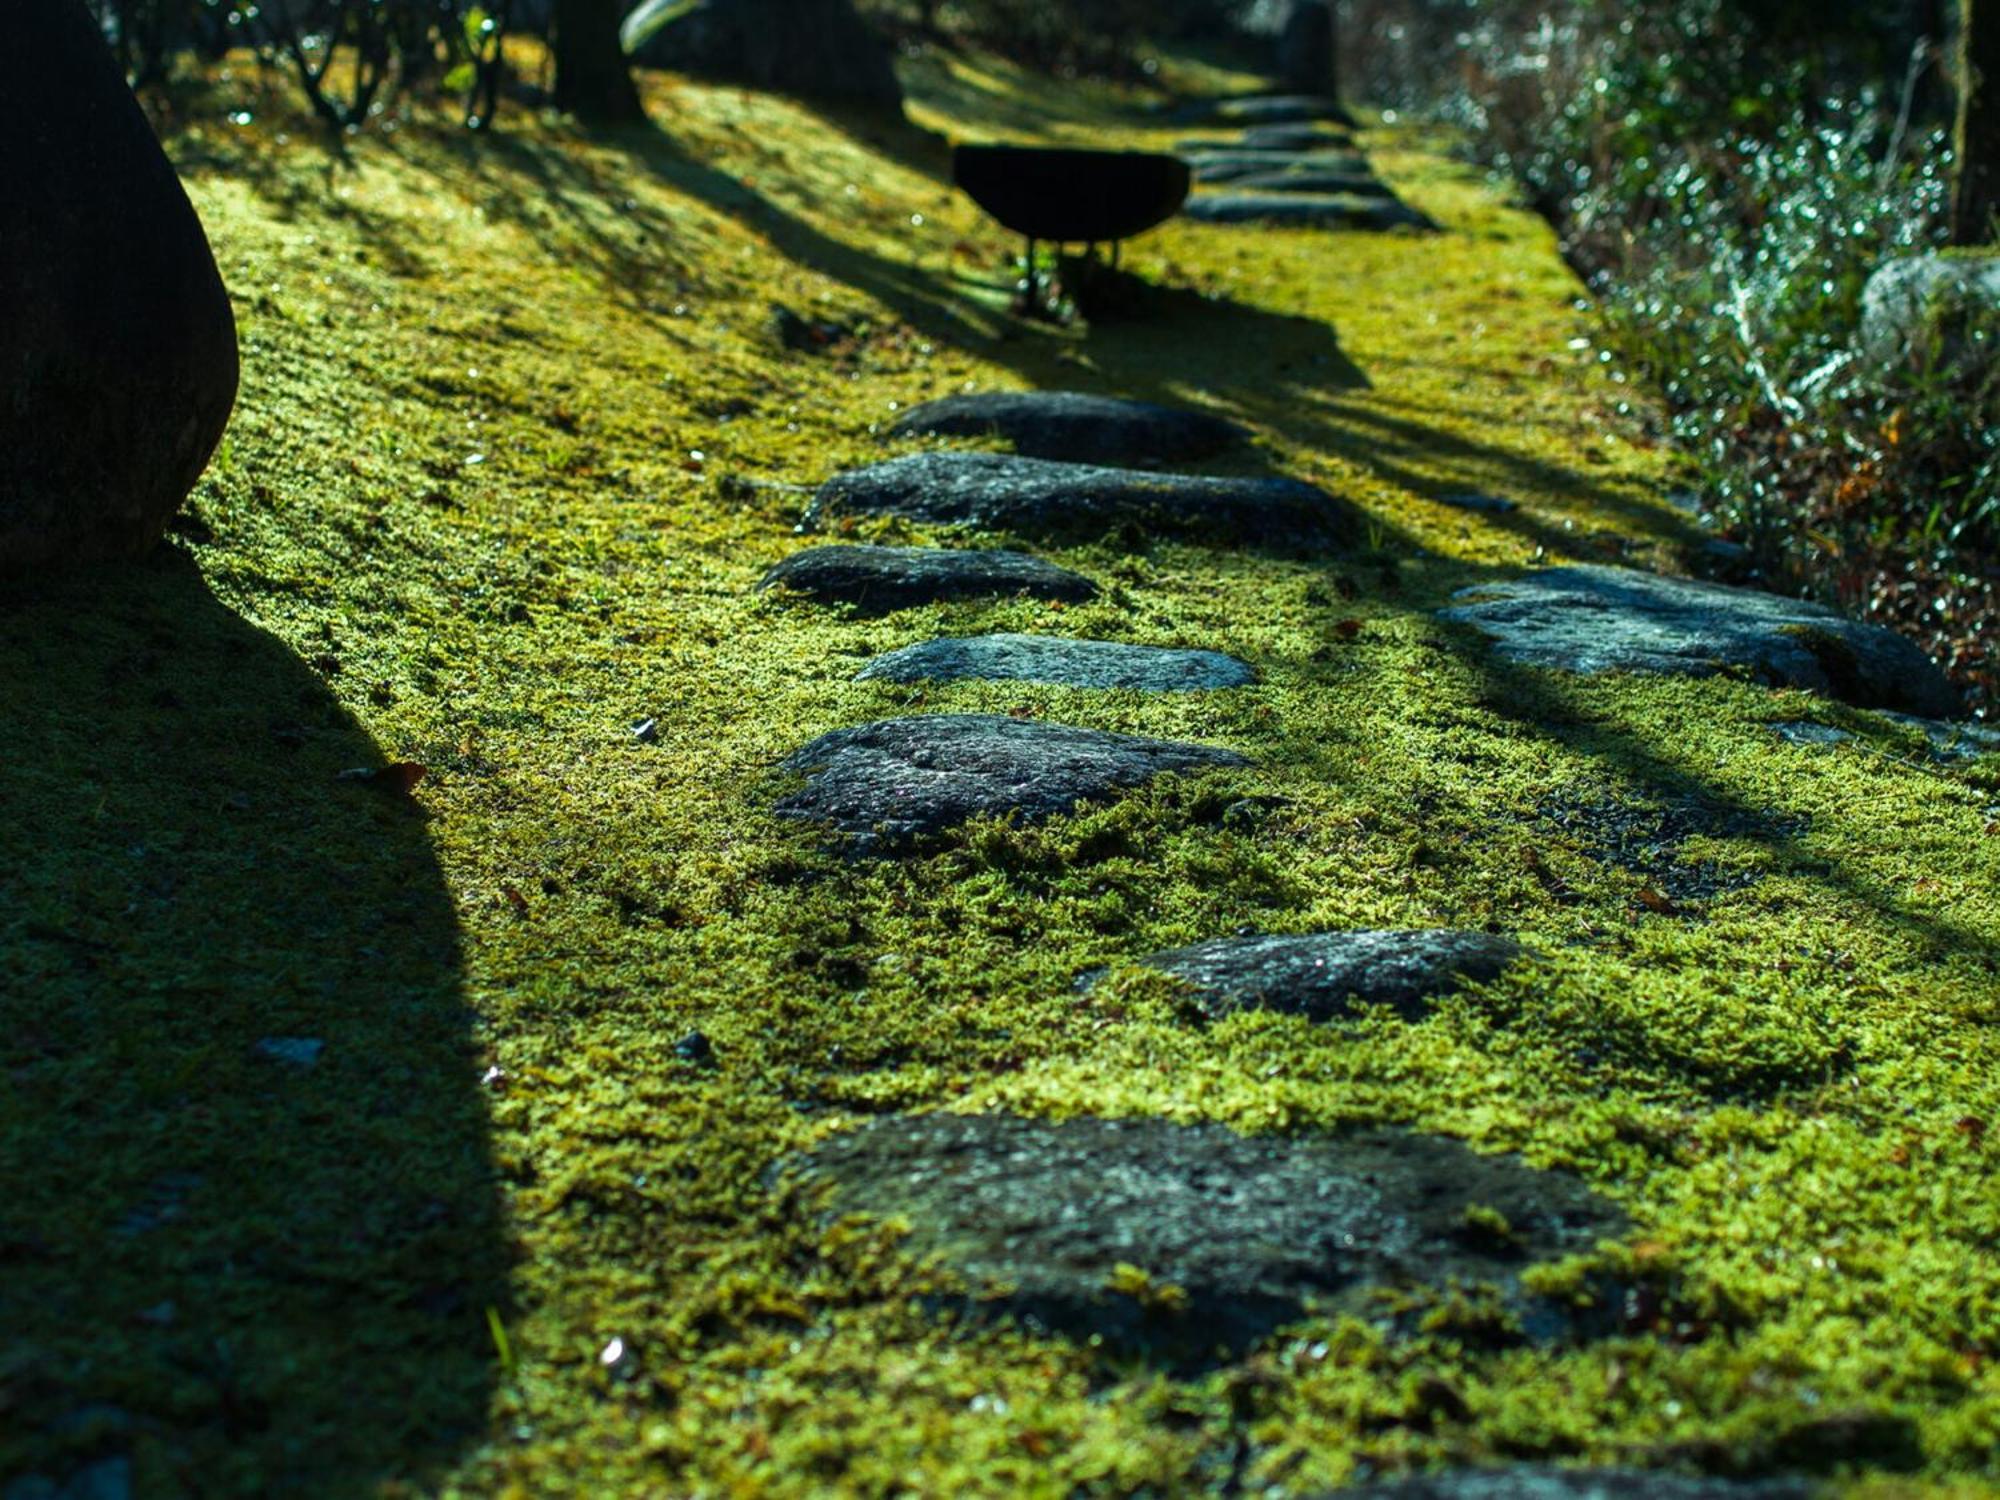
(1931,311)
(117,344)
(817,49)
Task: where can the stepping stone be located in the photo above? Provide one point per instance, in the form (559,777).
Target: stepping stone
(1073,426)
(1322,975)
(889,784)
(1600,619)
(1311,180)
(1177,1241)
(1953,742)
(1304,211)
(1284,109)
(1538,1482)
(1223,166)
(1804,732)
(1037,497)
(1273,138)
(1064,663)
(879,579)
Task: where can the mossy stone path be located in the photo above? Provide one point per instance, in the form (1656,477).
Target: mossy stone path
(1189,1241)
(1056,660)
(888,784)
(1322,975)
(1226,165)
(1599,619)
(877,580)
(1036,497)
(1074,426)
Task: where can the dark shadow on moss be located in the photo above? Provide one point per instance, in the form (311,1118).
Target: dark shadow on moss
(249,1235)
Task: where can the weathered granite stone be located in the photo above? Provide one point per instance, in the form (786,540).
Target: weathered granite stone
(1062,662)
(1952,742)
(1299,179)
(1073,426)
(819,49)
(888,784)
(1923,310)
(117,343)
(1805,732)
(1536,1482)
(1038,497)
(876,580)
(1322,975)
(1283,109)
(1305,211)
(1227,165)
(1183,1240)
(1601,619)
(1268,138)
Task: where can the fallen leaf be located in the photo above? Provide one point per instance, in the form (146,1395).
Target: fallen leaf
(1347,630)
(1652,900)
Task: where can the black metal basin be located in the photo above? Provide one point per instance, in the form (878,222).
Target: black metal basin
(1072,197)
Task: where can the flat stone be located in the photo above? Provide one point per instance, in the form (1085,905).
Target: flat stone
(879,579)
(1539,1482)
(1284,109)
(1272,138)
(888,784)
(1952,742)
(1073,426)
(1601,619)
(1185,1240)
(1322,975)
(1805,732)
(1223,166)
(1312,180)
(1062,662)
(1304,211)
(1038,497)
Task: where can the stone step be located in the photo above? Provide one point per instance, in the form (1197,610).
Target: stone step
(1039,497)
(1061,662)
(877,580)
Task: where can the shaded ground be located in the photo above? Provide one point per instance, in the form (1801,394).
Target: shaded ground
(515,445)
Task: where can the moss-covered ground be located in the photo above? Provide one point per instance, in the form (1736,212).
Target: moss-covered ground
(514,443)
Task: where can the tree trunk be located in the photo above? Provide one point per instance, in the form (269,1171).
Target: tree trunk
(1976,193)
(593,80)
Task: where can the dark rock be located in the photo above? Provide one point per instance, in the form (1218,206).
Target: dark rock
(1923,311)
(879,579)
(1182,1240)
(1305,46)
(1601,619)
(696,1048)
(1037,497)
(1065,663)
(1227,165)
(888,784)
(819,49)
(1305,211)
(1322,975)
(1073,426)
(1535,1482)
(117,343)
(1491,505)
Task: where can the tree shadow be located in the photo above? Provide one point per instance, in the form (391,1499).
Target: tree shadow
(250,1237)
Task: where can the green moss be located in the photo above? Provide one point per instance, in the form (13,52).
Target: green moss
(460,520)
